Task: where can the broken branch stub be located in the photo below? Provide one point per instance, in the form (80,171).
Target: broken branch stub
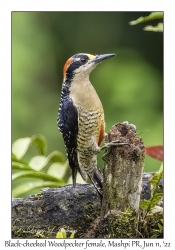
(122,171)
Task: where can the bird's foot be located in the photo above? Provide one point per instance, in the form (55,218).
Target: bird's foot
(113,144)
(116,143)
(108,146)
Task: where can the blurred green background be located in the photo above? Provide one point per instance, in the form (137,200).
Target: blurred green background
(129,85)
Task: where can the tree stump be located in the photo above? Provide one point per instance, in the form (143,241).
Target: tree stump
(122,183)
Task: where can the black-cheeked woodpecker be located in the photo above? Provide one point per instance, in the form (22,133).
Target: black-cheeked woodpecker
(81,117)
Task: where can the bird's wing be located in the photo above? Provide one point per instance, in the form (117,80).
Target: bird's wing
(68,126)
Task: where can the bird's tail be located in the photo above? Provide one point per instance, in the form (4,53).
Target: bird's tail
(74,176)
(97,180)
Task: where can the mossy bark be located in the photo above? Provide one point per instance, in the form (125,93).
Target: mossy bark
(43,215)
(122,183)
(77,209)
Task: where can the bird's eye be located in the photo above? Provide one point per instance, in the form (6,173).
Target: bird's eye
(83,60)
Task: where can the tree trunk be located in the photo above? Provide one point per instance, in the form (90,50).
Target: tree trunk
(122,183)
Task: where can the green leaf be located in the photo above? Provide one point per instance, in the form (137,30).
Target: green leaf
(157,197)
(57,169)
(13,157)
(158,28)
(160,226)
(20,166)
(56,156)
(144,204)
(72,234)
(38,162)
(156,193)
(152,16)
(63,232)
(59,235)
(36,174)
(154,181)
(25,187)
(20,146)
(161,168)
(39,141)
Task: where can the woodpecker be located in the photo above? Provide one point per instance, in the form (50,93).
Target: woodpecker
(81,117)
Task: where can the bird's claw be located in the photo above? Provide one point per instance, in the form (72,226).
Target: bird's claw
(113,144)
(108,146)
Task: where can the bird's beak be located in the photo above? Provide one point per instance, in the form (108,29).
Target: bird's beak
(99,58)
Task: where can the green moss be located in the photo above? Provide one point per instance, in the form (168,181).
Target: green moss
(122,225)
(151,226)
(92,212)
(125,225)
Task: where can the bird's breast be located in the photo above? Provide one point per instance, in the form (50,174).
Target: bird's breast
(85,96)
(90,129)
(90,116)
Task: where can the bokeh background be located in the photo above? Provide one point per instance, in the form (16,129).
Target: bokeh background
(129,85)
